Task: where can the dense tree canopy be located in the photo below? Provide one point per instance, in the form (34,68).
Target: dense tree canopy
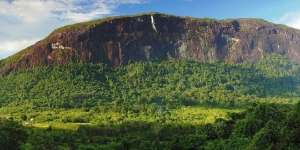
(172,104)
(161,82)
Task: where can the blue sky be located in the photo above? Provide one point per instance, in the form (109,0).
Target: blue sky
(23,22)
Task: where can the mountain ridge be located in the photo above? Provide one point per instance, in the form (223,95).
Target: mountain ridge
(118,40)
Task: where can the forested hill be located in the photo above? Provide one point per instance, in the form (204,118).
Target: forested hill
(119,40)
(169,104)
(169,83)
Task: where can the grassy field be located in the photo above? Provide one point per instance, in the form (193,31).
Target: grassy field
(71,119)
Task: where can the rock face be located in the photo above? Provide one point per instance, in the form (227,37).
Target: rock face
(116,41)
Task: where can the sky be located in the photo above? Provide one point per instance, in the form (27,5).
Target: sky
(24,22)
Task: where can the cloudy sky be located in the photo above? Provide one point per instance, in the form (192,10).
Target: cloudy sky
(23,22)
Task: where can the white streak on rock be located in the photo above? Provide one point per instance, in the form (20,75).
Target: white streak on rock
(57,45)
(235,39)
(261,52)
(153,24)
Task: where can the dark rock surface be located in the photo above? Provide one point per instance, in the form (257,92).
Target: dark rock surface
(118,40)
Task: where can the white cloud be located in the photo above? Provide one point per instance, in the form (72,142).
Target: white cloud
(31,11)
(26,11)
(9,47)
(21,20)
(291,19)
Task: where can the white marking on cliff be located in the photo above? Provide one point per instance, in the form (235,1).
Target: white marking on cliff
(57,45)
(49,57)
(120,53)
(153,24)
(235,39)
(261,52)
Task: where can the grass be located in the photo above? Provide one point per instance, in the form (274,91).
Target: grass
(72,119)
(15,58)
(58,126)
(200,115)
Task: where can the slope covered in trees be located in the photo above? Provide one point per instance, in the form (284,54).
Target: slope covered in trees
(169,83)
(168,104)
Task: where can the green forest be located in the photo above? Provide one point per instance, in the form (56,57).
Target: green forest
(160,104)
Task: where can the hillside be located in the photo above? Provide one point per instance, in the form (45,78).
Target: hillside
(154,81)
(169,82)
(118,40)
(167,104)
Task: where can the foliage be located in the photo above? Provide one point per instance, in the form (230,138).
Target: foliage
(165,83)
(173,104)
(12,134)
(274,132)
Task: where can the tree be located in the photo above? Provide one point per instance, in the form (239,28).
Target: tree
(12,134)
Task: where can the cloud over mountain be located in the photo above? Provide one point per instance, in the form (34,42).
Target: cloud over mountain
(291,19)
(24,21)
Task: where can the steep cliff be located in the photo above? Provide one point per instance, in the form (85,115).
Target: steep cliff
(118,40)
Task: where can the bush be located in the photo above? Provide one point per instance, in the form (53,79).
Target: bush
(12,134)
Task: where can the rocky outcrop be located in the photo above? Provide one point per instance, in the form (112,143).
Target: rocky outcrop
(116,41)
